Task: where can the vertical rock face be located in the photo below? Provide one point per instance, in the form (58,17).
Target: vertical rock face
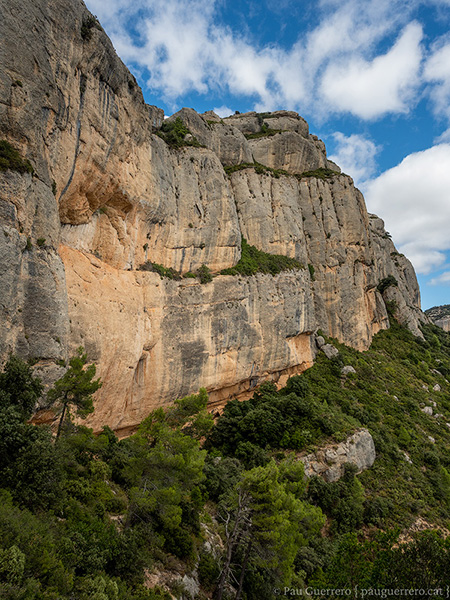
(108,194)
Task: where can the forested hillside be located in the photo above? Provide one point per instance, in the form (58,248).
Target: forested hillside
(194,508)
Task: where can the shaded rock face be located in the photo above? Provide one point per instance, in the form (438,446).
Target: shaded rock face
(328,462)
(108,195)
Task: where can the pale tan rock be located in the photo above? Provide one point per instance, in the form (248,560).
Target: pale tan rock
(289,151)
(116,196)
(155,340)
(284,120)
(226,141)
(328,462)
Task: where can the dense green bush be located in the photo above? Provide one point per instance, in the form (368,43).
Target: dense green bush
(89,23)
(292,418)
(11,159)
(174,134)
(387,282)
(58,538)
(204,274)
(320,173)
(168,272)
(254,261)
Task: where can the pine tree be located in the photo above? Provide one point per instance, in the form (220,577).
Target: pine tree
(75,389)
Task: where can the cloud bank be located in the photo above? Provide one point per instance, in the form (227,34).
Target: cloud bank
(362,59)
(413,198)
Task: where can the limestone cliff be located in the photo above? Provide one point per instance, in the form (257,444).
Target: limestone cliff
(108,194)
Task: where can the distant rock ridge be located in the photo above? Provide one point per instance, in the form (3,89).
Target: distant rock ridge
(109,194)
(440,315)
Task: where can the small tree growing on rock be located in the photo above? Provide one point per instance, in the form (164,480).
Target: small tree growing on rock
(75,389)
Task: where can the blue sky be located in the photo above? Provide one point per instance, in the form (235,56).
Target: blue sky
(371,77)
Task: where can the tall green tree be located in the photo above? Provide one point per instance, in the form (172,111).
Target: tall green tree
(266,522)
(19,388)
(75,389)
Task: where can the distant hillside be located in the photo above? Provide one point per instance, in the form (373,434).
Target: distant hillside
(438,312)
(440,315)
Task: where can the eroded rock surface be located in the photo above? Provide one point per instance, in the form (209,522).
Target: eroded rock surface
(108,195)
(328,462)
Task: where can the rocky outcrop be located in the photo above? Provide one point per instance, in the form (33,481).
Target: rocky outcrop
(328,462)
(108,194)
(440,316)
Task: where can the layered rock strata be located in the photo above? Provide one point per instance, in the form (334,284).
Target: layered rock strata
(108,194)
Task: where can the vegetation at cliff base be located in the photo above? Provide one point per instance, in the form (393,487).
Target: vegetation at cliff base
(225,500)
(11,159)
(254,261)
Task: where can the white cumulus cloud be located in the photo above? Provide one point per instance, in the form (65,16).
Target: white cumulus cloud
(414,200)
(386,84)
(437,74)
(355,154)
(335,67)
(442,279)
(223,111)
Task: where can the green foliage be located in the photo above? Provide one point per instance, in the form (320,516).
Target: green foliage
(174,134)
(204,274)
(311,272)
(320,173)
(254,261)
(259,168)
(208,570)
(265,131)
(29,245)
(167,272)
(386,395)
(421,563)
(269,522)
(90,22)
(12,565)
(54,187)
(387,282)
(18,387)
(343,500)
(75,388)
(153,481)
(40,242)
(292,418)
(404,438)
(11,159)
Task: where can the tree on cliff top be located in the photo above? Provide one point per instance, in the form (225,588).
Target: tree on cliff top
(75,388)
